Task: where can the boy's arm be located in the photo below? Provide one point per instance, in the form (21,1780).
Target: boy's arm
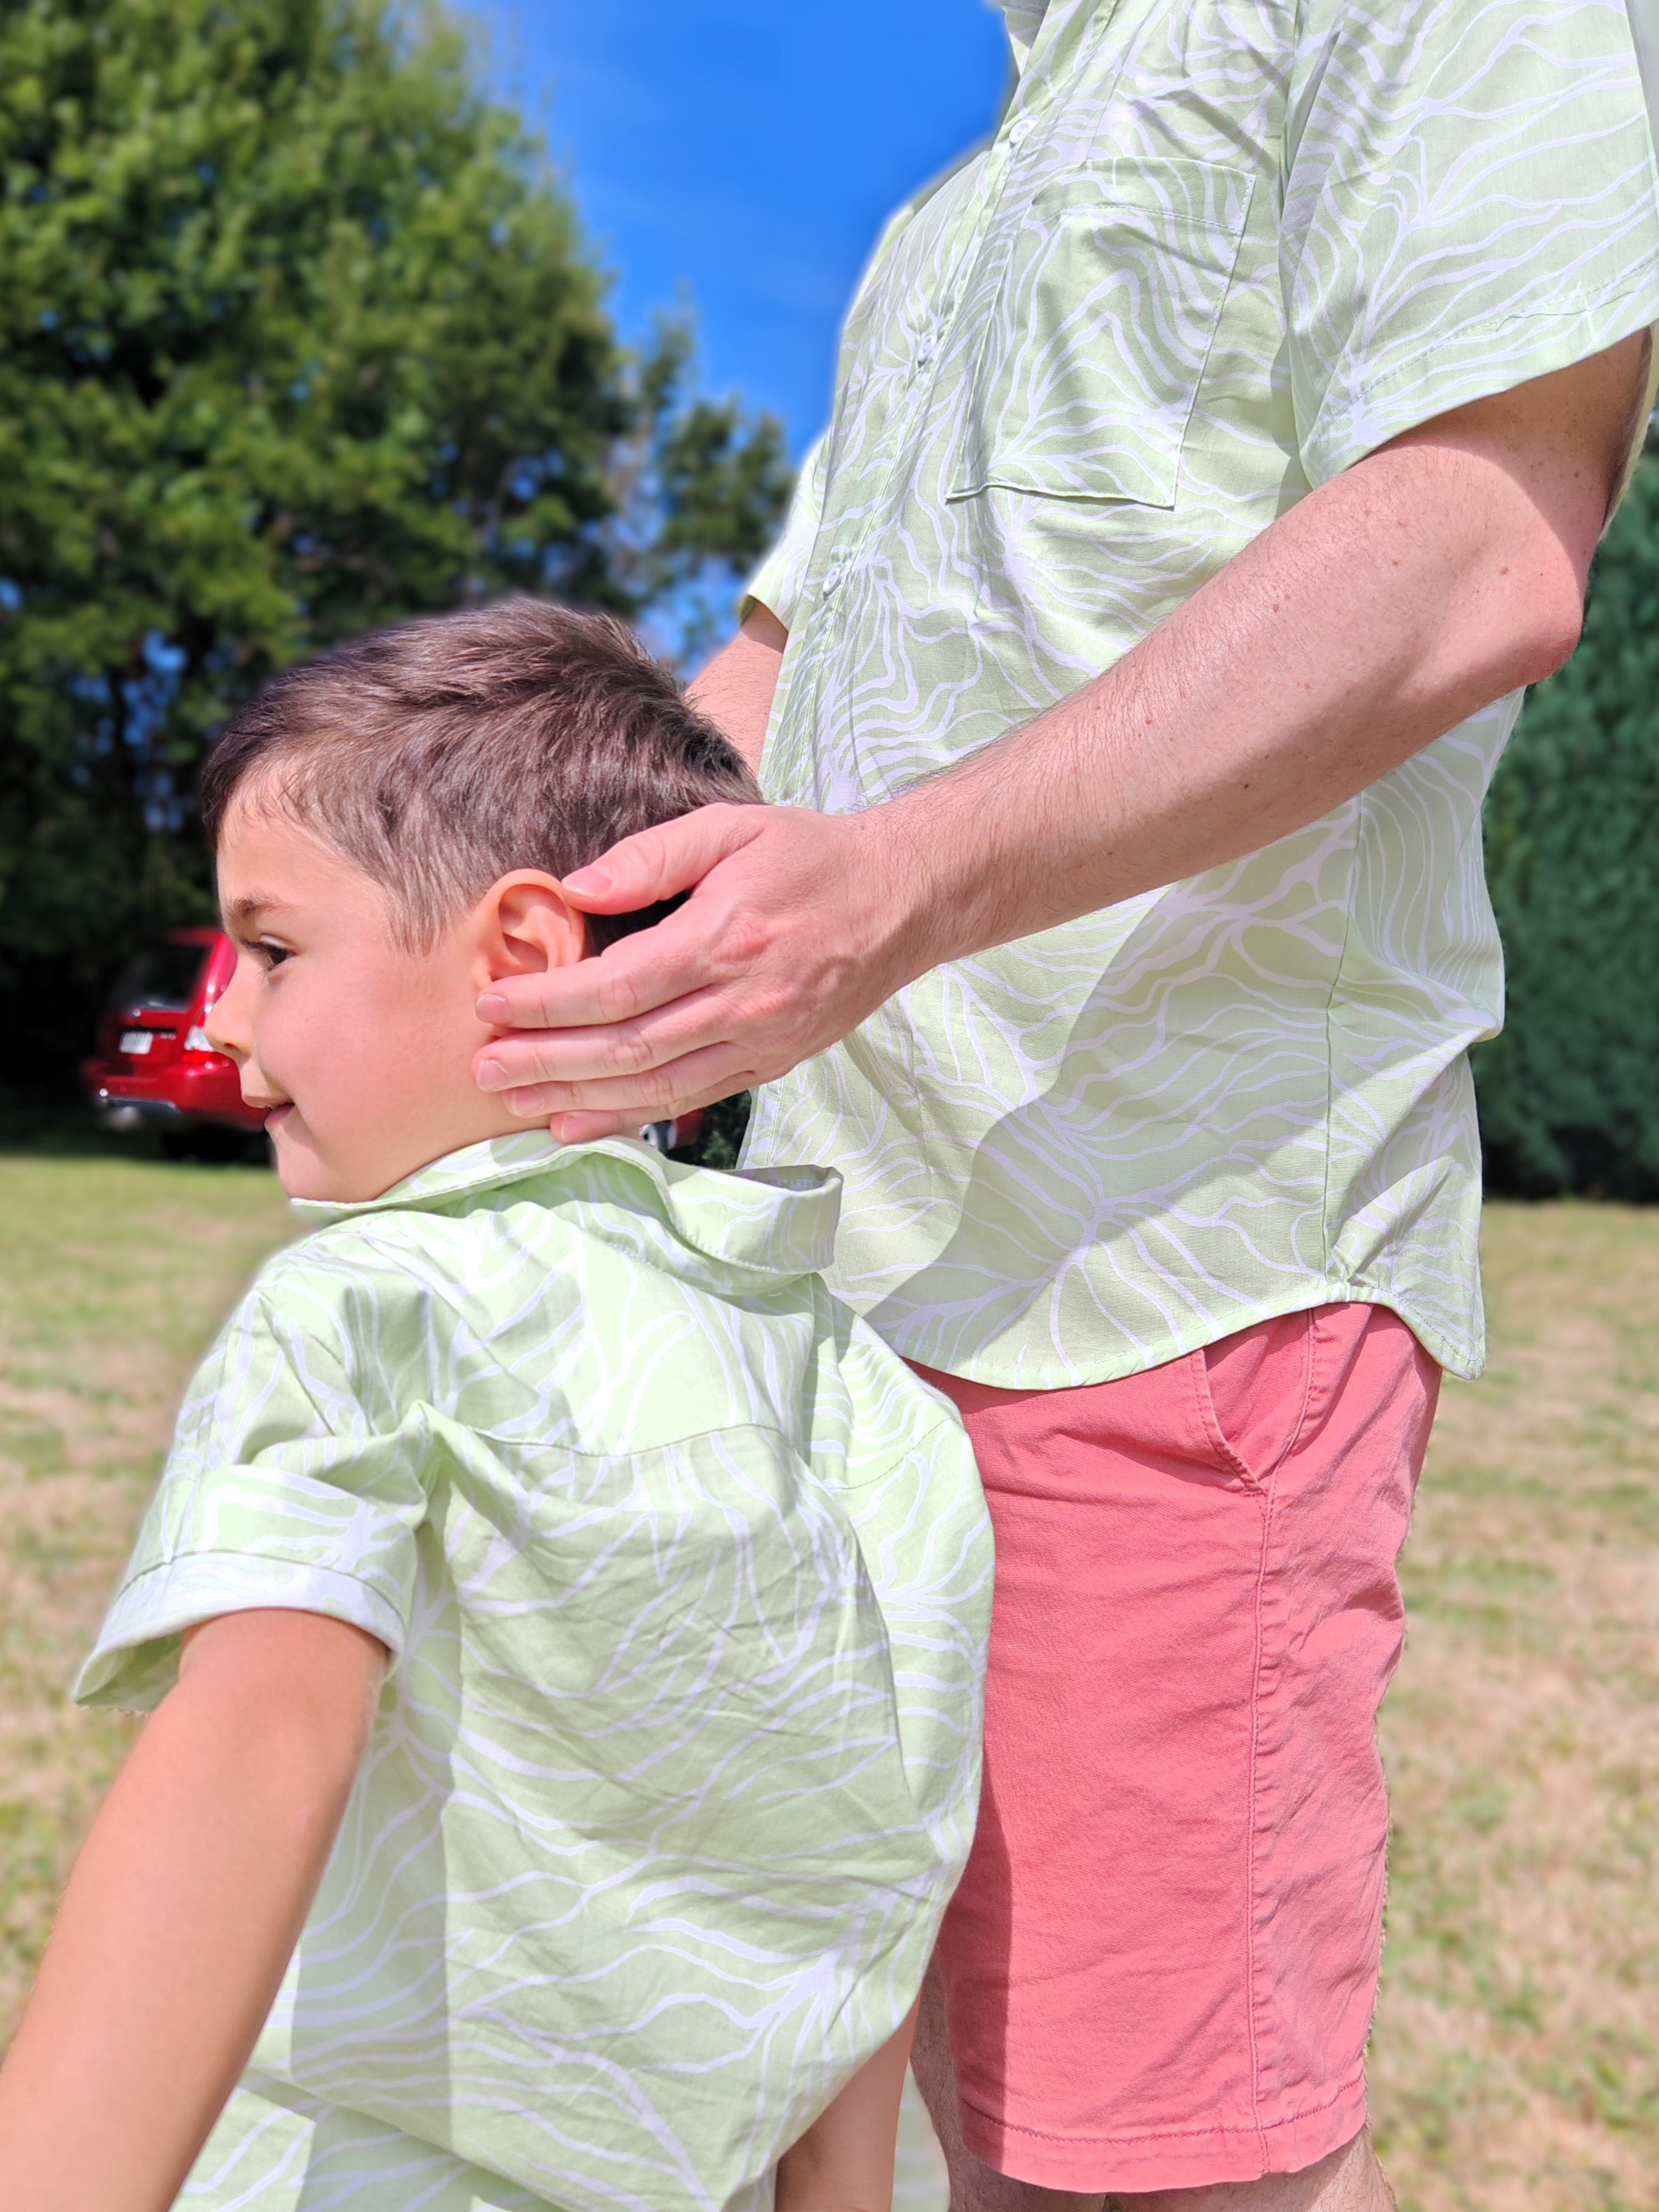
(845,2161)
(183,1911)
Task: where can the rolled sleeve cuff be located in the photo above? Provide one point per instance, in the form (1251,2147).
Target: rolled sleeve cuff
(136,1660)
(1486,359)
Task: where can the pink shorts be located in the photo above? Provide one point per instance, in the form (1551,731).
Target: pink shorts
(1160,1968)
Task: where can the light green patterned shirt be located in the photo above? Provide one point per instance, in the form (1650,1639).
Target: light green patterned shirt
(686,1583)
(1217,252)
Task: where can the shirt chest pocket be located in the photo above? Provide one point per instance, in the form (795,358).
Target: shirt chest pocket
(1113,283)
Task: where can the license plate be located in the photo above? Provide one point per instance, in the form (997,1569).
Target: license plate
(136,1042)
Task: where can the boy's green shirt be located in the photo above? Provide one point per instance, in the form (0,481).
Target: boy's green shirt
(686,1580)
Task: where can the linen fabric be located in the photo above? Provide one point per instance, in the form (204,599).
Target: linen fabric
(1161,1965)
(686,1579)
(1213,255)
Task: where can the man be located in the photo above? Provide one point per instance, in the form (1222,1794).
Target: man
(1215,456)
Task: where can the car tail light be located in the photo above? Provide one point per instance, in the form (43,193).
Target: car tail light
(670,1136)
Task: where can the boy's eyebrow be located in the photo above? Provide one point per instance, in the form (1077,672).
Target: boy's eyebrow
(242,913)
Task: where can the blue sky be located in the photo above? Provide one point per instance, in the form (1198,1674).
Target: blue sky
(748,150)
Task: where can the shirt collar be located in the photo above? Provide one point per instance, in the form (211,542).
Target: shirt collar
(1024,20)
(768,1225)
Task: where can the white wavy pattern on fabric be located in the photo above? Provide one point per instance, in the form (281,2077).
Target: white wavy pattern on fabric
(688,1580)
(1217,251)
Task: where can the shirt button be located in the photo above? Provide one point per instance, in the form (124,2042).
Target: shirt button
(831,578)
(1020,131)
(926,349)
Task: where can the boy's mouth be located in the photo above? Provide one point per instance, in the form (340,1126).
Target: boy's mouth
(277,1116)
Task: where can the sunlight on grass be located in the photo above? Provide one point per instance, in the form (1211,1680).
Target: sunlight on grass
(1515,2066)
(116,1273)
(1516,2062)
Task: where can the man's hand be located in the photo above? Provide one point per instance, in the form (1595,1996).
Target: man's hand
(735,991)
(1439,573)
(182,1913)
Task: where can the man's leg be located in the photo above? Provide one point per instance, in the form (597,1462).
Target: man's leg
(974,2187)
(1348,2180)
(1159,1969)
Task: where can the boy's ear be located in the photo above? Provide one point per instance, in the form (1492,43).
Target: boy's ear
(523,926)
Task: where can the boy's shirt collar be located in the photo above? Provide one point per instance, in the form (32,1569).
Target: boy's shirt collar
(772,1225)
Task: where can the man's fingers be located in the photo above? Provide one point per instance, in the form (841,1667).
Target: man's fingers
(630,979)
(661,862)
(584,1129)
(696,1079)
(633,1053)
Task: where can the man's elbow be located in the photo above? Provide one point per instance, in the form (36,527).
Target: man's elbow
(1549,638)
(1541,619)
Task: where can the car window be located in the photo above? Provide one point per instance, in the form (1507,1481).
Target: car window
(163,975)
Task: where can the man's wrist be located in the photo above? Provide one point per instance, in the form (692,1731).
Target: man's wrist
(911,884)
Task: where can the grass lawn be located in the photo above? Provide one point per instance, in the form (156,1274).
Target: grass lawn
(1516,2064)
(117,1272)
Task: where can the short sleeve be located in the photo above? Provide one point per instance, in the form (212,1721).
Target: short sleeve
(1469,201)
(281,1490)
(777,582)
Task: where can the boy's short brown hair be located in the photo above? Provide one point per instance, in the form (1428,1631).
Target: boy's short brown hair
(442,753)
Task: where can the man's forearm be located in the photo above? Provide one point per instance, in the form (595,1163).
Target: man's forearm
(735,690)
(182,1914)
(1381,611)
(1386,607)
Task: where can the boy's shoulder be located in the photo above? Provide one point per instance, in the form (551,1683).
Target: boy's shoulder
(613,1299)
(485,1224)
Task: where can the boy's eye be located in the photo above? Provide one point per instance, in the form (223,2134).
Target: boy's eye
(269,952)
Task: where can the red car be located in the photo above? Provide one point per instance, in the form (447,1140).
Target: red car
(154,1067)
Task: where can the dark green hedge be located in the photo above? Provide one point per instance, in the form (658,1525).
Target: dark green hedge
(1569,1092)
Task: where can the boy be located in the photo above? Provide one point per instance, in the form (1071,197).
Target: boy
(564,1624)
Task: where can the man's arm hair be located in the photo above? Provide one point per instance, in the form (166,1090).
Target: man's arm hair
(183,1911)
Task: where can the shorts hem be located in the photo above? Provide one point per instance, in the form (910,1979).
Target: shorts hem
(1171,2157)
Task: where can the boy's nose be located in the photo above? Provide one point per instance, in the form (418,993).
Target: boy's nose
(226,1032)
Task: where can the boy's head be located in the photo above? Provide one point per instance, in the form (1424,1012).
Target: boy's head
(391,824)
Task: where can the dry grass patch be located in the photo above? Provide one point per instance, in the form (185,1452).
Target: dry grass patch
(1516,2062)
(116,1273)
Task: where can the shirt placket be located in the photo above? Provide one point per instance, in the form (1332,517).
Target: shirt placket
(1047,74)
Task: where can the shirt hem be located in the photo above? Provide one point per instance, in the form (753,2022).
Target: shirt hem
(1465,1358)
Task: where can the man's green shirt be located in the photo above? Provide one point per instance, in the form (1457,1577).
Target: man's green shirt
(686,1581)
(1214,254)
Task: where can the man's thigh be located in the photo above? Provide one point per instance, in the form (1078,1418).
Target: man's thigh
(1161,1965)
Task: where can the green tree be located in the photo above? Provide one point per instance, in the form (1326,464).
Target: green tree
(297,334)
(1570,1092)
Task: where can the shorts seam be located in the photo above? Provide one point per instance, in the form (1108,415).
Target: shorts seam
(1172,2135)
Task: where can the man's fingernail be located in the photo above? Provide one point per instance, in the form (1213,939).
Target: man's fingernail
(595,880)
(491,1008)
(489,1074)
